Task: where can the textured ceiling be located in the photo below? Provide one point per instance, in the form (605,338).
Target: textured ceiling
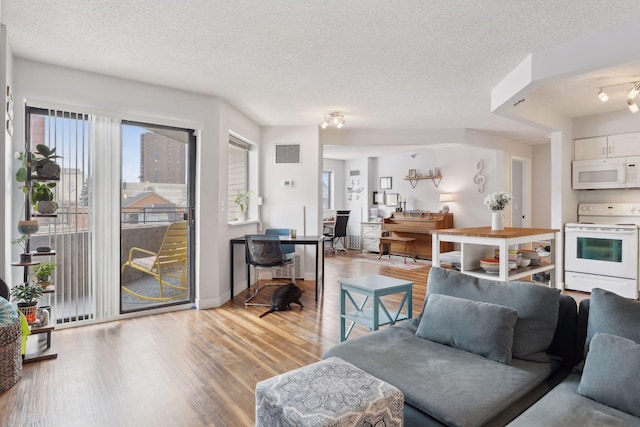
(418,64)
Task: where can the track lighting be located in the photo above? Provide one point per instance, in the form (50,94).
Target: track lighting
(603,96)
(634,92)
(335,117)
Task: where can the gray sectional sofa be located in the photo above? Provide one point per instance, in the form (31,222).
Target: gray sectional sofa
(480,353)
(604,388)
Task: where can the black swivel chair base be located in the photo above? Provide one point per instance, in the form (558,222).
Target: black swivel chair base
(257,288)
(337,245)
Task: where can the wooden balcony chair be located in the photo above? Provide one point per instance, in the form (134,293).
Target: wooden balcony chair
(169,262)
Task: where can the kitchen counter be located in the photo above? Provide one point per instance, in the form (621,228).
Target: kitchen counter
(477,243)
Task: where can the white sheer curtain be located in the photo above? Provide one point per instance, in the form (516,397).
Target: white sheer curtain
(105,177)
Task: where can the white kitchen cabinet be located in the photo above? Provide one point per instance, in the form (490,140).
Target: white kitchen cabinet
(623,145)
(370,236)
(602,147)
(590,148)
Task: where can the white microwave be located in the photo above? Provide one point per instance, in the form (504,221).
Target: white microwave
(619,172)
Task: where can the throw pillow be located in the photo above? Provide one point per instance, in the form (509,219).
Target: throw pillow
(612,314)
(537,307)
(476,327)
(610,373)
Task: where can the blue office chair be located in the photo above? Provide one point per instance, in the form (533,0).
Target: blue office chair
(263,253)
(288,250)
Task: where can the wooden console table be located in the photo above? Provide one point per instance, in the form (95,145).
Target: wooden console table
(480,242)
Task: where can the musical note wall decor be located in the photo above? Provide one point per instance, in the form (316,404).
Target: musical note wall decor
(479,179)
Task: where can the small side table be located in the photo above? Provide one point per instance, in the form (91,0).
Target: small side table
(374,286)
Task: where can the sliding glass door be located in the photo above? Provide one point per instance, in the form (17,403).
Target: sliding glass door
(156,216)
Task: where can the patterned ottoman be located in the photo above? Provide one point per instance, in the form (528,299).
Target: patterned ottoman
(331,392)
(10,345)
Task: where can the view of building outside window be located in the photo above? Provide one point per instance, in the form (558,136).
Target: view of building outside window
(153,176)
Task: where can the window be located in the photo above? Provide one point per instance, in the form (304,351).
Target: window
(239,166)
(327,190)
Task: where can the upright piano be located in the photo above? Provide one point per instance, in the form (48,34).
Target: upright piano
(418,225)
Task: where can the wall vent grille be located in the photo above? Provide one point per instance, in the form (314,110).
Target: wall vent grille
(288,153)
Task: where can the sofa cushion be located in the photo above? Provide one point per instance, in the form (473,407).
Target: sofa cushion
(612,314)
(454,387)
(536,305)
(563,407)
(610,371)
(446,320)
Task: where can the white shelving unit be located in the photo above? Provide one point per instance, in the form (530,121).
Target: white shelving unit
(480,242)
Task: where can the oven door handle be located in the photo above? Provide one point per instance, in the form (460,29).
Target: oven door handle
(599,231)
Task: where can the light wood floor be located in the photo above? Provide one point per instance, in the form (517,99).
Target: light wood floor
(188,368)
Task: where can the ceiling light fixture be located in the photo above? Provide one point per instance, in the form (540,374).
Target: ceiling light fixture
(603,96)
(335,117)
(633,93)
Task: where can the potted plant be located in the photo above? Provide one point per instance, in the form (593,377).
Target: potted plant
(242,200)
(45,168)
(27,296)
(26,227)
(43,272)
(43,163)
(42,197)
(25,257)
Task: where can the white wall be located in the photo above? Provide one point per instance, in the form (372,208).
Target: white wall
(541,185)
(235,121)
(7,220)
(306,192)
(90,92)
(455,152)
(358,200)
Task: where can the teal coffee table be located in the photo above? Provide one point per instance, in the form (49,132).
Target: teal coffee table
(377,314)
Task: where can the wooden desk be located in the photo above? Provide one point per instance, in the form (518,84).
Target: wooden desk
(299,240)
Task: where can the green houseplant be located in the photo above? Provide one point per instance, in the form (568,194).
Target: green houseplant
(43,162)
(27,295)
(45,168)
(42,197)
(43,272)
(25,257)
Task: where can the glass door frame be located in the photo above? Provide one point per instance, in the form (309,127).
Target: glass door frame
(190,169)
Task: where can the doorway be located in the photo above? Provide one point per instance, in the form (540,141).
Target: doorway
(521,192)
(156,216)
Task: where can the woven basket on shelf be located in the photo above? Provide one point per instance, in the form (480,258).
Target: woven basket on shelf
(10,346)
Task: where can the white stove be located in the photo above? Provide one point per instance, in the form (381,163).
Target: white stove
(601,249)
